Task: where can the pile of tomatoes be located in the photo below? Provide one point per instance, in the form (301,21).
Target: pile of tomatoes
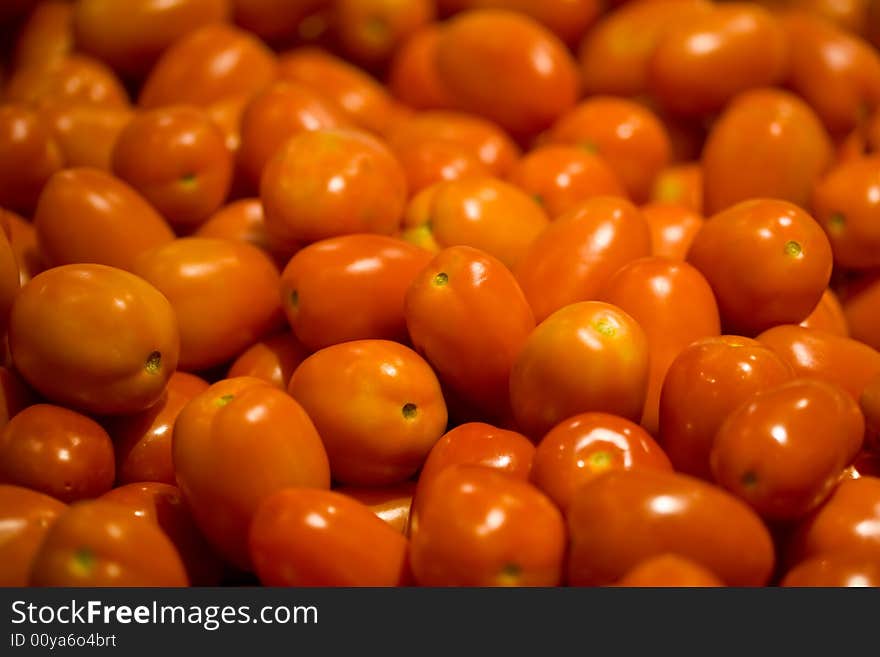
(440,292)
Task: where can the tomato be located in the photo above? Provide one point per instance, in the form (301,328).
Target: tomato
(28,157)
(835,570)
(390,503)
(350,288)
(15,395)
(10,279)
(206,65)
(767,143)
(226,113)
(277,113)
(73,79)
(484,213)
(785,448)
(508,68)
(480,527)
(674,304)
(94,338)
(869,402)
(224,295)
(560,177)
(46,35)
(706,383)
(846,203)
(707,58)
(669,570)
(681,184)
(673,228)
(25,517)
(234,445)
(326,183)
(580,448)
(86,215)
(244,221)
(163,505)
(86,133)
(412,74)
(588,356)
(99,544)
(829,316)
(623,517)
(378,415)
(837,73)
(130,38)
(366,103)
(302,537)
(767,261)
(273,360)
(816,354)
(429,161)
(614,55)
(463,288)
(574,257)
(274,19)
(369,31)
(142,441)
(26,251)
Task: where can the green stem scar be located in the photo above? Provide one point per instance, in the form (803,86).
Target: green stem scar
(836,222)
(222,400)
(441,279)
(749,480)
(600,460)
(188,180)
(604,327)
(83,561)
(294,299)
(154,363)
(793,249)
(510,574)
(410,410)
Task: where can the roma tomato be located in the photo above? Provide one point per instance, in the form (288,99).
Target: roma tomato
(574,257)
(100,543)
(379,411)
(588,356)
(413,77)
(303,537)
(560,177)
(131,37)
(224,295)
(15,395)
(72,79)
(86,215)
(142,441)
(835,570)
(244,221)
(10,279)
(869,402)
(326,183)
(706,383)
(669,570)
(234,445)
(390,503)
(177,158)
(483,213)
(816,354)
(674,304)
(369,31)
(580,448)
(785,448)
(623,517)
(829,316)
(429,161)
(94,338)
(58,452)
(673,228)
(350,288)
(767,143)
(508,68)
(25,249)
(25,517)
(208,64)
(462,288)
(86,133)
(767,261)
(46,35)
(275,20)
(861,312)
(680,183)
(476,526)
(273,359)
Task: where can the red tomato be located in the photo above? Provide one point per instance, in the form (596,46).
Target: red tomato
(835,570)
(673,228)
(244,221)
(86,133)
(25,517)
(273,359)
(669,570)
(369,31)
(413,77)
(390,503)
(15,395)
(75,78)
(46,35)
(829,316)
(869,401)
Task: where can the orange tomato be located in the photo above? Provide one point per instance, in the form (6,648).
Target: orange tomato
(25,517)
(681,184)
(75,78)
(669,570)
(834,570)
(86,133)
(244,221)
(413,77)
(15,395)
(46,35)
(390,503)
(673,228)
(369,31)
(273,359)
(276,20)
(860,312)
(429,161)
(829,316)
(25,249)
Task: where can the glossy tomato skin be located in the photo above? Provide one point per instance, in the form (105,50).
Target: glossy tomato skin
(412,74)
(15,395)
(588,356)
(349,546)
(665,512)
(785,448)
(454,542)
(142,441)
(869,402)
(46,35)
(10,278)
(704,384)
(834,570)
(680,183)
(350,288)
(86,133)
(177,158)
(163,505)
(673,228)
(574,257)
(675,306)
(379,413)
(816,354)
(244,221)
(461,288)
(829,316)
(369,31)
(27,516)
(433,160)
(58,452)
(208,64)
(99,543)
(224,295)
(236,443)
(390,503)
(488,61)
(113,224)
(582,447)
(75,78)
(94,338)
(273,19)
(767,143)
(767,261)
(26,251)
(327,183)
(273,359)
(669,570)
